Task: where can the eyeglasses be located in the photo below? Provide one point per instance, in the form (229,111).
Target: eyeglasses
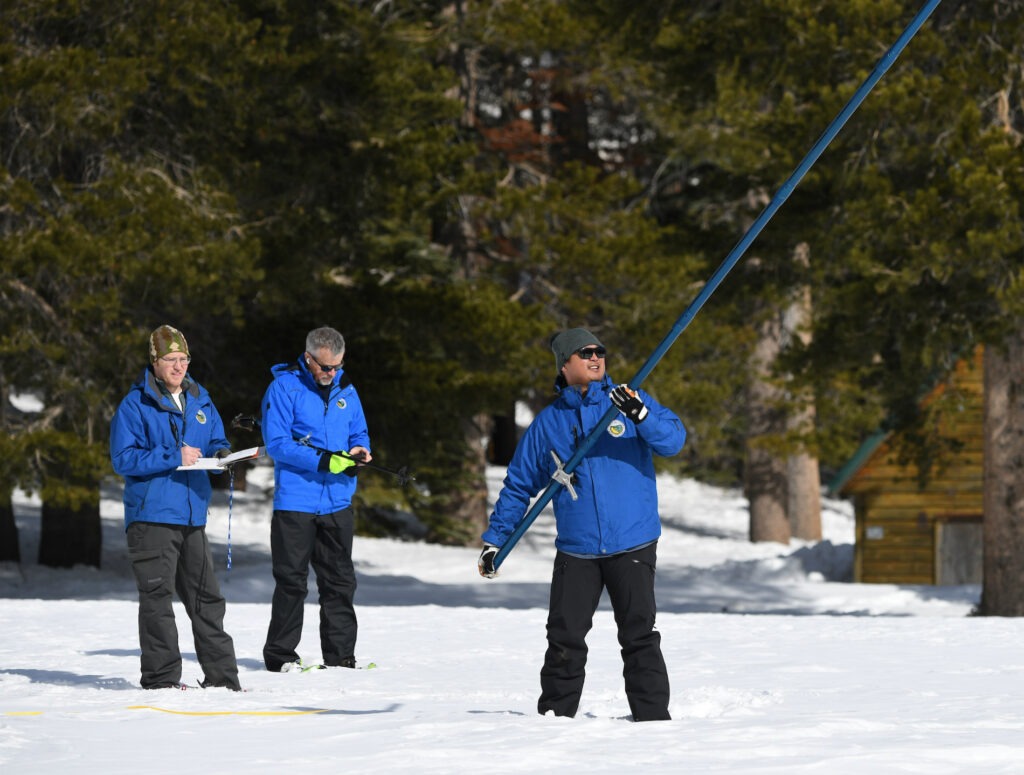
(183,362)
(320,366)
(586,353)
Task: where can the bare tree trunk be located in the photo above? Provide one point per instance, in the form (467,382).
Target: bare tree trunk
(71,534)
(461,510)
(471,500)
(504,437)
(1002,591)
(9,549)
(764,471)
(765,485)
(803,503)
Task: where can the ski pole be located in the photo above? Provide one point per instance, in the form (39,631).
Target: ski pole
(563,472)
(402,474)
(251,422)
(247,422)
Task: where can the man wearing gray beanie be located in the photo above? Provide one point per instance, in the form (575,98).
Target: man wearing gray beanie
(607,523)
(565,343)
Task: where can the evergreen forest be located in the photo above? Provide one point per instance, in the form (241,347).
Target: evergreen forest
(450,182)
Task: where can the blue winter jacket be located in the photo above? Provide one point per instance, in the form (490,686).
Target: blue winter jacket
(298,425)
(617,509)
(146,436)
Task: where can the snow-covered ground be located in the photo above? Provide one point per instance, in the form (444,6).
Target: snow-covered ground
(778,663)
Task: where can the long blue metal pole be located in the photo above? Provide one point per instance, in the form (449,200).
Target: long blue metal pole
(727,265)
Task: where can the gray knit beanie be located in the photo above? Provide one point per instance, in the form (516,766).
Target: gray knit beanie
(565,343)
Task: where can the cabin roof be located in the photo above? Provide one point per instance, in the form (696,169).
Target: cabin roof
(853,465)
(873,442)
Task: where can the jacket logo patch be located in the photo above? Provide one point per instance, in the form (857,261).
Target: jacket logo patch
(617,428)
(341,403)
(201,417)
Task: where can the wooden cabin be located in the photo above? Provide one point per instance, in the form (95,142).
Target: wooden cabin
(913,533)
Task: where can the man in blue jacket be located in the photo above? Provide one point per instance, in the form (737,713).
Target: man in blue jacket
(315,430)
(607,521)
(168,420)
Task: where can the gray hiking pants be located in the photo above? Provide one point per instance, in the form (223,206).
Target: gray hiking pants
(176,558)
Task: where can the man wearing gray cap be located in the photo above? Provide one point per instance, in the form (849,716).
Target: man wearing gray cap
(607,521)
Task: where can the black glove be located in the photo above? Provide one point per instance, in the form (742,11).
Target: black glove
(486,562)
(353,470)
(628,402)
(222,453)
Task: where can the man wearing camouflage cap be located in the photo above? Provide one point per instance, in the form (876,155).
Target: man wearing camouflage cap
(168,420)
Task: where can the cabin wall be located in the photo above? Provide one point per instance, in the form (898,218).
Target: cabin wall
(909,532)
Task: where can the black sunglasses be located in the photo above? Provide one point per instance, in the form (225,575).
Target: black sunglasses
(335,367)
(586,353)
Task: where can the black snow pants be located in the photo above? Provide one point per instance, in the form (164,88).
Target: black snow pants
(576,587)
(298,539)
(176,558)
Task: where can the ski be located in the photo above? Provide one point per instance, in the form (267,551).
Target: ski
(301,667)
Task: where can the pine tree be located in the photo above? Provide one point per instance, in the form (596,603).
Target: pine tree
(108,229)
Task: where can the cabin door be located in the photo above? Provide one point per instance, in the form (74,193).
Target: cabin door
(958,550)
